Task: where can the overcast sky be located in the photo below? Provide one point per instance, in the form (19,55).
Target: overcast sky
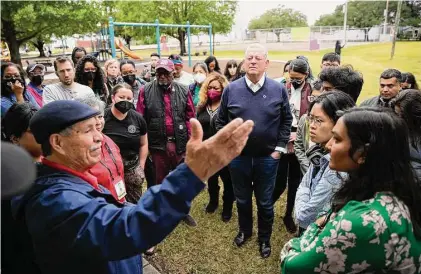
(248,9)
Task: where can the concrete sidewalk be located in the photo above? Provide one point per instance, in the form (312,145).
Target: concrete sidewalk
(148,268)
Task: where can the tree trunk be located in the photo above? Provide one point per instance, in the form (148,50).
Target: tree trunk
(39,44)
(278,35)
(182,39)
(365,35)
(8,29)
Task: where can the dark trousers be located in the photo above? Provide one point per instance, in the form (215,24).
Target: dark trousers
(256,174)
(213,187)
(288,173)
(150,172)
(165,161)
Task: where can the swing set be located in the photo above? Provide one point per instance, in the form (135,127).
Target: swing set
(157,25)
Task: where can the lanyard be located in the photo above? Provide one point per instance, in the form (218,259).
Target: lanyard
(114,161)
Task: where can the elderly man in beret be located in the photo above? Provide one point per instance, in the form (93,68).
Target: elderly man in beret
(76,225)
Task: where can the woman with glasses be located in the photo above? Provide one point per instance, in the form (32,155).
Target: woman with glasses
(89,73)
(374,225)
(209,101)
(231,72)
(320,182)
(302,142)
(299,90)
(13,87)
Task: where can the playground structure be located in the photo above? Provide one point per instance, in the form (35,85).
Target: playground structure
(118,43)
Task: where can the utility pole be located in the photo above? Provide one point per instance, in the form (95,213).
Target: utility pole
(386,13)
(345,10)
(395,33)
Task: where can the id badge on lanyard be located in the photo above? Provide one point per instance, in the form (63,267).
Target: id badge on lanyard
(120,188)
(118,183)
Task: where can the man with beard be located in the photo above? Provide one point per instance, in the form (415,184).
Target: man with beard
(167,107)
(35,87)
(67,88)
(390,86)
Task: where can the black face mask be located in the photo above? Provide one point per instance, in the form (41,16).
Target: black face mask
(89,75)
(124,106)
(37,79)
(296,83)
(129,79)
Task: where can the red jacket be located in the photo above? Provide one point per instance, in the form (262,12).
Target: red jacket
(110,171)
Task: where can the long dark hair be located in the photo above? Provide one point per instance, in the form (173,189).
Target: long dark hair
(409,108)
(5,91)
(209,60)
(333,101)
(226,71)
(409,78)
(98,82)
(382,137)
(16,120)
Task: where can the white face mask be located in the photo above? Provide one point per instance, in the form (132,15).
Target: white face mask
(199,77)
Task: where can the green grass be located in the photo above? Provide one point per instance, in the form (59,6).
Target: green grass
(209,248)
(371,60)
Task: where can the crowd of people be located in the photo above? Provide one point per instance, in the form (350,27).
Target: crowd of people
(353,173)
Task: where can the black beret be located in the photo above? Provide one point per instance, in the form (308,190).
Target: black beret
(58,115)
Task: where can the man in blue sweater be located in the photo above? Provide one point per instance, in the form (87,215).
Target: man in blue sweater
(265,101)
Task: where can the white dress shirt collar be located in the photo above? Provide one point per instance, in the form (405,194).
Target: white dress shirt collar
(258,85)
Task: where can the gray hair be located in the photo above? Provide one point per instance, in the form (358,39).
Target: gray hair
(255,47)
(202,65)
(93,102)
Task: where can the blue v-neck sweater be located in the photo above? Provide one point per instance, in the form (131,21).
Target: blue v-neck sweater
(268,108)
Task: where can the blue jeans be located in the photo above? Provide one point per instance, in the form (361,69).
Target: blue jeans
(256,174)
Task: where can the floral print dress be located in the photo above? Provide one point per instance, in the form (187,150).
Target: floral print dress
(372,236)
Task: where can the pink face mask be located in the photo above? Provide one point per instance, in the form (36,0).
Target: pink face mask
(214,95)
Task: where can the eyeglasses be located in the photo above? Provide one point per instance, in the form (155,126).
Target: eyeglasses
(314,119)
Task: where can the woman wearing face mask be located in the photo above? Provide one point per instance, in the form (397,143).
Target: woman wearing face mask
(231,70)
(109,171)
(112,71)
(200,72)
(374,225)
(320,182)
(35,73)
(127,129)
(128,72)
(89,73)
(285,74)
(13,87)
(207,109)
(299,91)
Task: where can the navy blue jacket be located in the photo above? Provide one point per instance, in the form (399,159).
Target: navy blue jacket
(78,229)
(268,108)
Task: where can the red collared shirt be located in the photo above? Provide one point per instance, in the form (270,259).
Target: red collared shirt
(90,179)
(169,123)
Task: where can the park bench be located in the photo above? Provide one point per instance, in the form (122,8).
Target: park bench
(45,62)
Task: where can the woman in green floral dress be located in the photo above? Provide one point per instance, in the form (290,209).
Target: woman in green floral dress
(374,224)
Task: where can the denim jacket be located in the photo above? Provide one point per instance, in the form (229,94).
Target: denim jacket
(315,192)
